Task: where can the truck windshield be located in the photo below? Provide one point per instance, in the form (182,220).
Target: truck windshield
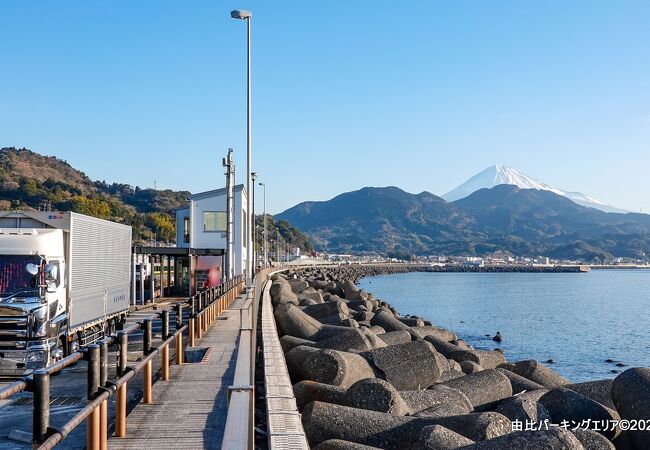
(14,278)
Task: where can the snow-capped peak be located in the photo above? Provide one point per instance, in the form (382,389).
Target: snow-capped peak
(495,175)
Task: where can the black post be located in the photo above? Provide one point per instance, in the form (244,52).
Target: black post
(93,371)
(179,316)
(146,336)
(164,317)
(123,341)
(41,415)
(103,362)
(193,306)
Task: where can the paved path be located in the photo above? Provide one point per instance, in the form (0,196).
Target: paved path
(189,411)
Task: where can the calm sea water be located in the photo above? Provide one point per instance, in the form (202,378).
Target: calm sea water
(579,320)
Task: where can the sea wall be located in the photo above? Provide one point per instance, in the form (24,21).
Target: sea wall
(366,377)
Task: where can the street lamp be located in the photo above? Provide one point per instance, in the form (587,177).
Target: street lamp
(246,15)
(253,228)
(266,256)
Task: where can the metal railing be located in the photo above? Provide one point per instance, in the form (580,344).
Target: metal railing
(284,426)
(205,307)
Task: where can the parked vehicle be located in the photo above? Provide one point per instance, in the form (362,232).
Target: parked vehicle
(64,283)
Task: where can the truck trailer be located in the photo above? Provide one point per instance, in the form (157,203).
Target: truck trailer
(64,284)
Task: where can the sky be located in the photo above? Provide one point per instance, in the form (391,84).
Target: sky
(346,94)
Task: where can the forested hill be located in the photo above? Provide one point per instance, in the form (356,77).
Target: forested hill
(29,180)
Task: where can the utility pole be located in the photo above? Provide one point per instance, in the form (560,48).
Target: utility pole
(230,180)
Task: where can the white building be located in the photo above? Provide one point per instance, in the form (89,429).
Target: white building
(202,225)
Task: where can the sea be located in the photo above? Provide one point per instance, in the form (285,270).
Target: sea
(577,320)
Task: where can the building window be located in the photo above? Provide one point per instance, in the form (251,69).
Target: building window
(214,221)
(186,230)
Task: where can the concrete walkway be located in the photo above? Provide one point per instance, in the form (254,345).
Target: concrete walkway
(189,411)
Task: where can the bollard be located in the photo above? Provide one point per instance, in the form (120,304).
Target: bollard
(147,372)
(41,416)
(179,315)
(165,349)
(103,407)
(120,411)
(92,422)
(164,317)
(190,342)
(179,349)
(123,343)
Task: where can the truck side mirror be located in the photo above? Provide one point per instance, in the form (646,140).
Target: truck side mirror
(51,272)
(32,269)
(51,287)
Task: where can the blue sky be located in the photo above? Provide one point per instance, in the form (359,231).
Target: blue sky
(346,94)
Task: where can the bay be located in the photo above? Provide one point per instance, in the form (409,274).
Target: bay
(577,319)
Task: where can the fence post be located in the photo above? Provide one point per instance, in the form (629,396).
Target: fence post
(103,407)
(92,422)
(165,350)
(41,415)
(192,321)
(120,400)
(146,349)
(179,336)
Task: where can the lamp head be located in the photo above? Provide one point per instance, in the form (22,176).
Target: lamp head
(241,14)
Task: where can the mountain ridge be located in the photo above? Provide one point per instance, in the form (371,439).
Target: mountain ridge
(499,174)
(527,222)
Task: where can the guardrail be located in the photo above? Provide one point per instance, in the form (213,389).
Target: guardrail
(283,419)
(239,433)
(205,307)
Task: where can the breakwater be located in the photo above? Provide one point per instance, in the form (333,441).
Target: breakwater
(366,376)
(355,272)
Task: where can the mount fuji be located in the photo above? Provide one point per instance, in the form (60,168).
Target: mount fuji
(496,175)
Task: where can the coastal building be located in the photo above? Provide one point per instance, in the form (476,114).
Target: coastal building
(201,227)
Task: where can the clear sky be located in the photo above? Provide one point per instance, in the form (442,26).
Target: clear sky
(346,94)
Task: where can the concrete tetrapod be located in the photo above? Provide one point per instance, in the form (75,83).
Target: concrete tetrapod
(552,439)
(437,437)
(308,391)
(323,421)
(409,366)
(524,407)
(437,396)
(376,395)
(336,367)
(565,404)
(539,373)
(631,395)
(338,444)
(292,321)
(519,383)
(483,388)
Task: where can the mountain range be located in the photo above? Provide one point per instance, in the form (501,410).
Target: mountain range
(526,222)
(496,175)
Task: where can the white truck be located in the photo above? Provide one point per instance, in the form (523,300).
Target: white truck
(64,283)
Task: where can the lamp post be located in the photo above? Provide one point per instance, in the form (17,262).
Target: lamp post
(266,256)
(246,15)
(253,227)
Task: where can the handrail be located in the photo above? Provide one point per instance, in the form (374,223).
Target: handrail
(239,432)
(212,302)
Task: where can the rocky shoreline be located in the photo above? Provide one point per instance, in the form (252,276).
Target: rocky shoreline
(365,377)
